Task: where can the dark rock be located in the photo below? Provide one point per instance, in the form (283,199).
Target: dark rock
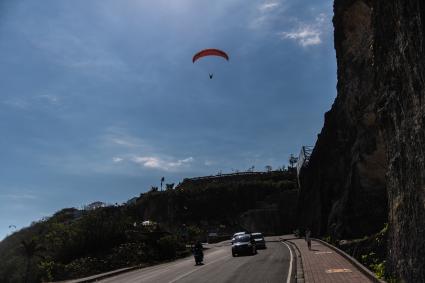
(368,165)
(343,191)
(399,67)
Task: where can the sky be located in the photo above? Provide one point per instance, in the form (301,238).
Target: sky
(99,98)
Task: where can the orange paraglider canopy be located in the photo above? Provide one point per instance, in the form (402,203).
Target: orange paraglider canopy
(210,52)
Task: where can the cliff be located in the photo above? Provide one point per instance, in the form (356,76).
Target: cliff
(343,190)
(399,68)
(367,167)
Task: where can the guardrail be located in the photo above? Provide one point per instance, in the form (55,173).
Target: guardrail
(304,158)
(231,175)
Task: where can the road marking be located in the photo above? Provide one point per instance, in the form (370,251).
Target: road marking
(190,272)
(288,280)
(338,270)
(319,253)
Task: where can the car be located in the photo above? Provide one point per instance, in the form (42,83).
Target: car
(237,234)
(243,244)
(259,240)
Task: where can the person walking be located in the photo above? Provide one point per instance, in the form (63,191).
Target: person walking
(307,238)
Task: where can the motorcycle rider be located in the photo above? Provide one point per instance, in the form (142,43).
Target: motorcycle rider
(198,252)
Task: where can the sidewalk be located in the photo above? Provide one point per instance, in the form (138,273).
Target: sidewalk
(322,264)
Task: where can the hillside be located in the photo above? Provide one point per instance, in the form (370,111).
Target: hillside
(75,243)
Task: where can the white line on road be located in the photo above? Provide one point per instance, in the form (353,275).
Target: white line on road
(288,280)
(194,270)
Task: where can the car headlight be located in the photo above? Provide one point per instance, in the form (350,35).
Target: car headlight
(249,244)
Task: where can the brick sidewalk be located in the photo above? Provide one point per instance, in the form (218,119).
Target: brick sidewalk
(323,264)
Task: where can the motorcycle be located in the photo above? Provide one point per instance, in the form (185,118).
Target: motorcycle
(199,257)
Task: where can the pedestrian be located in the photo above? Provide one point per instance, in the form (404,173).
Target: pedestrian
(307,238)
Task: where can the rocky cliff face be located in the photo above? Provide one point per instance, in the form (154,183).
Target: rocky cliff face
(399,67)
(343,191)
(368,165)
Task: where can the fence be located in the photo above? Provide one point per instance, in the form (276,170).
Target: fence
(304,158)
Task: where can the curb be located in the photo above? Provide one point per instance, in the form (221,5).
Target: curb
(369,274)
(299,267)
(101,276)
(95,278)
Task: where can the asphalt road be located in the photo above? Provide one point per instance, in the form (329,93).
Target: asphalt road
(268,266)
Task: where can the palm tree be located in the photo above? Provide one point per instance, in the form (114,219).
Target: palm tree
(293,160)
(30,250)
(162,180)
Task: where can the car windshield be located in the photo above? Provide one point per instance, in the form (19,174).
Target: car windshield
(257,236)
(242,238)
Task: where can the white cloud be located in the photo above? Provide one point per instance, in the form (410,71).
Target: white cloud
(127,150)
(29,102)
(117,159)
(158,163)
(307,34)
(266,13)
(50,98)
(268,6)
(124,142)
(17,103)
(116,136)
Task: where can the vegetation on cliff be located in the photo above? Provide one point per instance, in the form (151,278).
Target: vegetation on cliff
(76,243)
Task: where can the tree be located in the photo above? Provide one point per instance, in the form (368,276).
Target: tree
(169,186)
(268,168)
(194,233)
(293,160)
(30,250)
(162,180)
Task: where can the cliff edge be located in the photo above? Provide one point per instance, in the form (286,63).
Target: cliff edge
(368,165)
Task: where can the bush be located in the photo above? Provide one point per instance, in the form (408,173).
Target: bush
(167,247)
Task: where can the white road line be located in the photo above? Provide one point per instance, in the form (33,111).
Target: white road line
(194,270)
(288,280)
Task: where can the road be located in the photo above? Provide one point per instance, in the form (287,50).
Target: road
(268,266)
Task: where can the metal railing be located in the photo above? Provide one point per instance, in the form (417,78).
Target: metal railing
(221,175)
(304,157)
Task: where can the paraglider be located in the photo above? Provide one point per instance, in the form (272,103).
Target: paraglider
(210,52)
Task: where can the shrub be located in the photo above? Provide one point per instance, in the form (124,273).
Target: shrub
(167,247)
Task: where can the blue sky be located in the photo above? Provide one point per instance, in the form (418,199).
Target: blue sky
(99,98)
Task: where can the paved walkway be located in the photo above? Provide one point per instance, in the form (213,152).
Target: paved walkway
(322,264)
